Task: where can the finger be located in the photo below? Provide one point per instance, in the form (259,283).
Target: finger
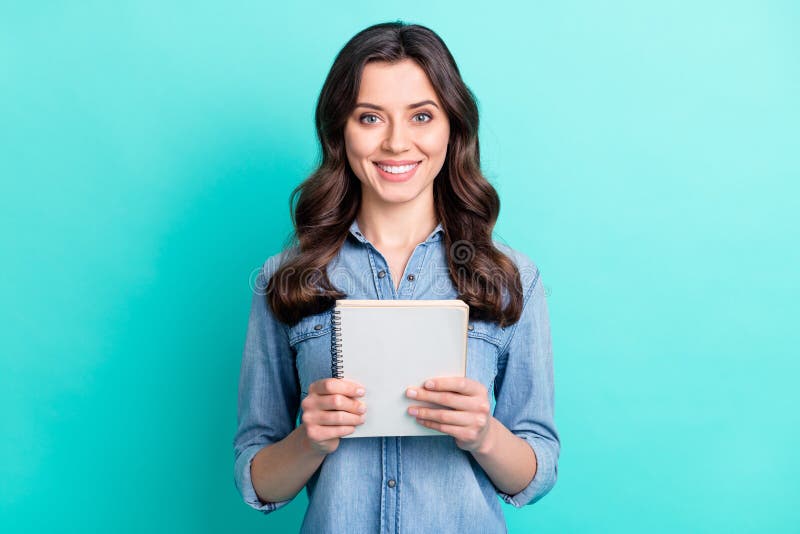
(328,418)
(458,384)
(316,418)
(451,417)
(324,433)
(456,401)
(341,402)
(462,433)
(329,386)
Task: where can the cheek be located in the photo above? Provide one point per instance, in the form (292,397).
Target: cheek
(355,152)
(434,143)
(359,144)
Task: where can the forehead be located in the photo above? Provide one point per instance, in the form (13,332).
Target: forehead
(401,82)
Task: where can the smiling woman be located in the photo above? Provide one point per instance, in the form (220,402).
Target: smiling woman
(407,119)
(400,207)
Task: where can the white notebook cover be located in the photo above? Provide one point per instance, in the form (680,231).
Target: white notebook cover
(389,345)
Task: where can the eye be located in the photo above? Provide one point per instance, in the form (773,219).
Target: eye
(424,115)
(367,116)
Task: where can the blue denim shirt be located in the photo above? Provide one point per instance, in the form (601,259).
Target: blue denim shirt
(410,483)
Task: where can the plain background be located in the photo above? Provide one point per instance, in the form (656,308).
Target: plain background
(646,154)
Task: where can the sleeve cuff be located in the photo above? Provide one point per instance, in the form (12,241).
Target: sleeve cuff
(544,479)
(244,482)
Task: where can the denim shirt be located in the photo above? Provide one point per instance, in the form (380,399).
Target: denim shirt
(409,483)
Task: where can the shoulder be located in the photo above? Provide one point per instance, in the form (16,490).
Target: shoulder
(272,264)
(528,270)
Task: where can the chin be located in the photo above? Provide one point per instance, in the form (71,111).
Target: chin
(399,192)
(397,198)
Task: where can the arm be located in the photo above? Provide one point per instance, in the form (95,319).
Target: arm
(517,448)
(279,471)
(269,394)
(507,459)
(330,410)
(524,390)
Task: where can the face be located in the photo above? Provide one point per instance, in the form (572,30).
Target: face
(396,137)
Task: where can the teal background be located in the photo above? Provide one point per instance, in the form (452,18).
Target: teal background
(647,159)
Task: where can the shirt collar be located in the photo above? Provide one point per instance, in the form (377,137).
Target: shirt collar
(435,235)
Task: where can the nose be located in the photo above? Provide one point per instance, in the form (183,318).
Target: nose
(397,139)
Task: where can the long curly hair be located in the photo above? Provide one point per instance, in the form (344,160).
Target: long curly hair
(326,203)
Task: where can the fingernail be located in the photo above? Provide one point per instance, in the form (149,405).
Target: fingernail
(412,411)
(363,418)
(411,393)
(362,408)
(360,391)
(429,384)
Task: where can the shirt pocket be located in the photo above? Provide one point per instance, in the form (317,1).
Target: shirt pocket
(483,348)
(310,340)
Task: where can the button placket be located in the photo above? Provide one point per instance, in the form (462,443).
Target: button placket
(414,265)
(379,271)
(383,273)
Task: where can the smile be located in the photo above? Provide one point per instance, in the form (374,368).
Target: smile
(397,173)
(397,169)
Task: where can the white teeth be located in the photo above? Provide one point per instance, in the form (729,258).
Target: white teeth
(397,170)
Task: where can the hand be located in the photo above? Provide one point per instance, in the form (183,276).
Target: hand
(331,410)
(467,421)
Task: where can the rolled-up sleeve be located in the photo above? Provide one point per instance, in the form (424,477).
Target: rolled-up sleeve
(524,392)
(269,391)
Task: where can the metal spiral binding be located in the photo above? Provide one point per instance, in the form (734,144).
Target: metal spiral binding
(336,344)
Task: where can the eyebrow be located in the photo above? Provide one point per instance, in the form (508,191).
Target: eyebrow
(411,106)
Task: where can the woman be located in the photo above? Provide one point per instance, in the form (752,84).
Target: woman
(397,209)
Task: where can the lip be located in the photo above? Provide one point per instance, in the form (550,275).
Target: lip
(389,177)
(395,162)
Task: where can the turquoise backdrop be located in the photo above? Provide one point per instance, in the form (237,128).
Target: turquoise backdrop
(647,155)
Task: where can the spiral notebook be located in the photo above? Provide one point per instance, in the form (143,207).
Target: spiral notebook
(389,345)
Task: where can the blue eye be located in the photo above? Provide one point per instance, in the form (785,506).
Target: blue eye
(363,118)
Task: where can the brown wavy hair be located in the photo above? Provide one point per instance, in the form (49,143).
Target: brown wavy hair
(466,204)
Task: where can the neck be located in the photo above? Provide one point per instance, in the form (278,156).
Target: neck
(396,227)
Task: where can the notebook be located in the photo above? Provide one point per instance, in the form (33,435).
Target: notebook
(389,345)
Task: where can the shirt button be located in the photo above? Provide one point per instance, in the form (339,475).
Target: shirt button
(391,483)
(318,327)
(410,277)
(470,327)
(381,274)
